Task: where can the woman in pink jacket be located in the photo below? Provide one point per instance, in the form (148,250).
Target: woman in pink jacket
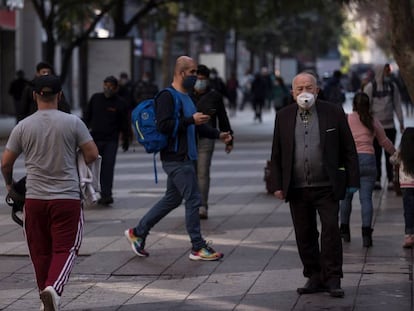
(364,128)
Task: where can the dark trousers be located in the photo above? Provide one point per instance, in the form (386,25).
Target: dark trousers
(304,204)
(391,134)
(107,150)
(258,107)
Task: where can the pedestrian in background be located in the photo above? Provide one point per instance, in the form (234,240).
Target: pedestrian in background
(259,94)
(280,93)
(334,91)
(313,163)
(232,87)
(145,88)
(53,217)
(365,128)
(107,118)
(29,106)
(404,159)
(385,101)
(246,84)
(178,161)
(210,102)
(125,88)
(16,89)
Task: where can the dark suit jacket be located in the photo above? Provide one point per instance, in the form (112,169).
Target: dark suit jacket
(340,159)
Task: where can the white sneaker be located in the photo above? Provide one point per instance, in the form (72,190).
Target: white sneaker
(50,299)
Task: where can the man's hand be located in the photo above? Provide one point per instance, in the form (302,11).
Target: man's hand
(225,137)
(200,118)
(279,194)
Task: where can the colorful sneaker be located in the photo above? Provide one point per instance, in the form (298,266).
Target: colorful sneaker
(205,253)
(50,299)
(137,243)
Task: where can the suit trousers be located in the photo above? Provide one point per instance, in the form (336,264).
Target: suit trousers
(305,204)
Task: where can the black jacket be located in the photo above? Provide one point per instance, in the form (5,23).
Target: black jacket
(107,118)
(164,110)
(337,143)
(212,101)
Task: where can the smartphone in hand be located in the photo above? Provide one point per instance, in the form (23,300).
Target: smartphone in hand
(211,112)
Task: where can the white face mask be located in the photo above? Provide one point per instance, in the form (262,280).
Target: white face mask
(201,85)
(305,100)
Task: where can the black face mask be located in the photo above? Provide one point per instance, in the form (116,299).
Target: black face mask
(108,92)
(189,82)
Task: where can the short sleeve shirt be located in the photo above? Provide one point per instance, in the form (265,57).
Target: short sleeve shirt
(49,140)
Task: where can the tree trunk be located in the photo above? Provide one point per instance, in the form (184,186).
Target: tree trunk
(402,43)
(49,50)
(171,28)
(235,49)
(65,63)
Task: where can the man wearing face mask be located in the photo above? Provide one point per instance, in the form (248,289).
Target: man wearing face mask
(210,102)
(313,163)
(178,161)
(107,118)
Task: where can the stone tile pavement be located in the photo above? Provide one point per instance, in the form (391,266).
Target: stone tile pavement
(260,270)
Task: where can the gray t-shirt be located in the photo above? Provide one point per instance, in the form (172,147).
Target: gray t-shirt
(49,140)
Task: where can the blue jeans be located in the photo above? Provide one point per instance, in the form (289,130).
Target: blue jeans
(181,184)
(368,173)
(107,150)
(205,153)
(408,202)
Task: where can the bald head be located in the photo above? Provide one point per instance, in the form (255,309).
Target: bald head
(185,67)
(304,82)
(304,76)
(183,63)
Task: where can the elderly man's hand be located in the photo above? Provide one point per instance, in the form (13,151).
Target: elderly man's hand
(279,194)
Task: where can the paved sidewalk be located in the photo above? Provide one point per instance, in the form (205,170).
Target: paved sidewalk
(260,270)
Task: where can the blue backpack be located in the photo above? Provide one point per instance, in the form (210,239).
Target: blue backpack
(144,122)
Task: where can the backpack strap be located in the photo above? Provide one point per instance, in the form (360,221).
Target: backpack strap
(177,107)
(383,93)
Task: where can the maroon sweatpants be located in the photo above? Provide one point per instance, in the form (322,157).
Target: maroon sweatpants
(53,230)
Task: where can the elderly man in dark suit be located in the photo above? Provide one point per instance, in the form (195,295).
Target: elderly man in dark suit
(313,163)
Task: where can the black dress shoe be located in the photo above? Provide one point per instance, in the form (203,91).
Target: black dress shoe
(334,288)
(313,285)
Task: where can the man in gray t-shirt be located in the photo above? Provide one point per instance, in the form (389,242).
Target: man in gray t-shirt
(53,220)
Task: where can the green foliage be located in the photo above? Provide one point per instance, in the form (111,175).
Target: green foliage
(280,27)
(349,43)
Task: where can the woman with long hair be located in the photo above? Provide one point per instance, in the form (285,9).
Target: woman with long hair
(364,128)
(405,159)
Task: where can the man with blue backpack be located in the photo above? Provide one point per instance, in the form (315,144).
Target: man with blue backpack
(178,161)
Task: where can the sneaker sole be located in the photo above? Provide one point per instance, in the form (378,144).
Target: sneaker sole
(126,233)
(48,302)
(197,258)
